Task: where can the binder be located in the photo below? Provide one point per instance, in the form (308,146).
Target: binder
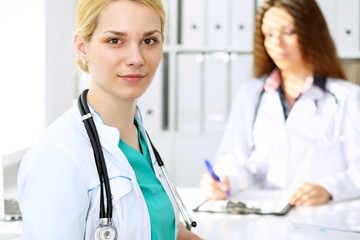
(193,22)
(189,92)
(328,8)
(218,23)
(242,24)
(348,26)
(150,103)
(166,4)
(216,89)
(241,66)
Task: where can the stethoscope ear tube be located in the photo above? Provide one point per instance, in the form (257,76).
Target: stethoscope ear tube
(106,217)
(99,156)
(185,214)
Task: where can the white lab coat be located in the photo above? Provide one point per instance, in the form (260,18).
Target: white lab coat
(318,143)
(58,184)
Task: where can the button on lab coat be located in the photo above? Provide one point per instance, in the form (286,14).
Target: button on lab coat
(318,143)
(58,184)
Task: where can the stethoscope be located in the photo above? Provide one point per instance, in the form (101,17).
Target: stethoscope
(105,230)
(257,106)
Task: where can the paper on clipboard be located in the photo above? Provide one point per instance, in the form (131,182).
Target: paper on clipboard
(259,207)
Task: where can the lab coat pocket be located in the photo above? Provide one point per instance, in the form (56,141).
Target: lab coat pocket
(126,208)
(120,186)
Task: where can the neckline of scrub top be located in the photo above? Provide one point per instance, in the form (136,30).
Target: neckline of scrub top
(157,201)
(273,83)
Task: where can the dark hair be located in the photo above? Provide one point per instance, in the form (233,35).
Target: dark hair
(316,45)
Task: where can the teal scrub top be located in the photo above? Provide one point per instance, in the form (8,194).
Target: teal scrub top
(162,217)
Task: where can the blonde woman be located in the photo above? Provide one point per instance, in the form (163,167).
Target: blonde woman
(120,44)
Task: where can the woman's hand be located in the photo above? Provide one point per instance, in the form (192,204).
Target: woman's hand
(213,189)
(310,194)
(185,234)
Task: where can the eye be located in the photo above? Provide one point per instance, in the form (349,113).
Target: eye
(115,41)
(289,31)
(267,34)
(150,41)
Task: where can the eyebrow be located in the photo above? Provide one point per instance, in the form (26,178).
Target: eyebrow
(123,34)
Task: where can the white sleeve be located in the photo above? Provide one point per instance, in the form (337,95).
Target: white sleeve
(346,184)
(52,195)
(235,146)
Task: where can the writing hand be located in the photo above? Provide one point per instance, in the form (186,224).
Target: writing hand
(215,190)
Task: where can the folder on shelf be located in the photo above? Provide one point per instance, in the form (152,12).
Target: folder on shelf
(240,71)
(193,22)
(217,23)
(242,24)
(328,9)
(348,26)
(151,103)
(189,92)
(215,91)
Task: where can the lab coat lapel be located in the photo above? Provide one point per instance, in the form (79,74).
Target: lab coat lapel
(305,107)
(271,138)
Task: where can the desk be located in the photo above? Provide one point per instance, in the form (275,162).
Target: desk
(10,230)
(214,226)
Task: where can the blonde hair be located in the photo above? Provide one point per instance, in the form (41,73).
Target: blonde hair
(87,13)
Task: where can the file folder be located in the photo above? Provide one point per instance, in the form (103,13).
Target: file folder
(189,92)
(193,22)
(216,91)
(218,23)
(150,103)
(242,24)
(348,26)
(328,9)
(241,66)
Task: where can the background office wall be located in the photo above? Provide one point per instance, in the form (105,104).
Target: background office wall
(37,67)
(37,73)
(206,57)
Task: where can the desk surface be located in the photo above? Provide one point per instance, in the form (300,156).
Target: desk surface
(10,230)
(213,226)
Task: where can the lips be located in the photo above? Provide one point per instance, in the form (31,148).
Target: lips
(132,78)
(281,55)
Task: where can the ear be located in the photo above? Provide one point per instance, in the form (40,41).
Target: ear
(80,47)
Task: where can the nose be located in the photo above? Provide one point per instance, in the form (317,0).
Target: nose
(134,56)
(277,39)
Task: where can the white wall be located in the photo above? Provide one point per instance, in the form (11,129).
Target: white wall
(37,68)
(22,73)
(60,68)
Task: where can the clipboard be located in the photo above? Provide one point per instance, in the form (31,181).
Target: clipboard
(241,208)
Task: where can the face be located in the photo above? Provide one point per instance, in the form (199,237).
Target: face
(124,50)
(281,39)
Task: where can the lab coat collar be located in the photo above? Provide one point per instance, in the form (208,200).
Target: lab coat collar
(110,136)
(273,81)
(113,133)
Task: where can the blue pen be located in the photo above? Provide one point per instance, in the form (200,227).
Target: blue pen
(211,171)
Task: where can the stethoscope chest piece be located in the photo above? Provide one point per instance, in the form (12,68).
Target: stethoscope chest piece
(105,231)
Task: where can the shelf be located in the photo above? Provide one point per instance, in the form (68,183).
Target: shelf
(204,49)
